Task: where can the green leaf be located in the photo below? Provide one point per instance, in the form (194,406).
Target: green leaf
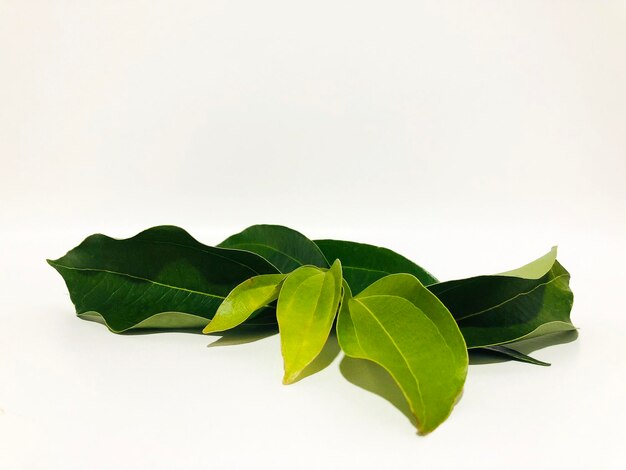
(530,301)
(283,247)
(245,299)
(363,264)
(307,306)
(161,278)
(410,288)
(415,339)
(513,354)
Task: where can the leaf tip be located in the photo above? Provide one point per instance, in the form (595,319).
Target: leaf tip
(290,378)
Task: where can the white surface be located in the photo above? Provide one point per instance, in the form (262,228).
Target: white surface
(469,136)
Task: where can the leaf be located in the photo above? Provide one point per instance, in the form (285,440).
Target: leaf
(245,299)
(283,247)
(530,301)
(307,306)
(405,285)
(416,341)
(363,264)
(410,288)
(161,278)
(513,354)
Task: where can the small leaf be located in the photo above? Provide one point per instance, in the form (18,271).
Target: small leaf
(161,278)
(363,264)
(424,353)
(245,299)
(283,247)
(307,306)
(513,354)
(520,304)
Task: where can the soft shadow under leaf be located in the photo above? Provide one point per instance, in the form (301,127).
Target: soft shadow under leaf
(371,377)
(243,336)
(328,354)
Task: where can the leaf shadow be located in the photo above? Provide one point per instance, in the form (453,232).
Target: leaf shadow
(527,346)
(242,336)
(325,358)
(371,377)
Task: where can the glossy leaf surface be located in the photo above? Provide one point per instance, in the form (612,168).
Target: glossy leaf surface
(245,299)
(160,278)
(520,304)
(283,247)
(364,264)
(424,353)
(307,306)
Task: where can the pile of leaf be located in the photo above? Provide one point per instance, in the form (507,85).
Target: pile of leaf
(384,307)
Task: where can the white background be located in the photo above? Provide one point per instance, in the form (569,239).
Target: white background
(468,135)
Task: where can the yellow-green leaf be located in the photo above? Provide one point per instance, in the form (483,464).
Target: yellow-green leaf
(245,299)
(423,352)
(307,306)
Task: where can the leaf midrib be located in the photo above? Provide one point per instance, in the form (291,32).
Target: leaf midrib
(521,294)
(311,318)
(192,291)
(417,383)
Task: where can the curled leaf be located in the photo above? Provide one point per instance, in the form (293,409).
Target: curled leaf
(516,355)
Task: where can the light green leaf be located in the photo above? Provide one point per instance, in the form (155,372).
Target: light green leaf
(283,247)
(161,278)
(307,306)
(410,288)
(245,299)
(424,353)
(363,264)
(520,304)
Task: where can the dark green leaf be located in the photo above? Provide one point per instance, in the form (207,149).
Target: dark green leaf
(513,354)
(283,247)
(363,264)
(161,278)
(520,304)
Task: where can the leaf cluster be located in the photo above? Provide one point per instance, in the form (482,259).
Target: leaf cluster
(383,307)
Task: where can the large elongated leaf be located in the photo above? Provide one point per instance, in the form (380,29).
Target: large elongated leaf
(283,247)
(520,304)
(425,356)
(307,306)
(160,278)
(363,264)
(245,299)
